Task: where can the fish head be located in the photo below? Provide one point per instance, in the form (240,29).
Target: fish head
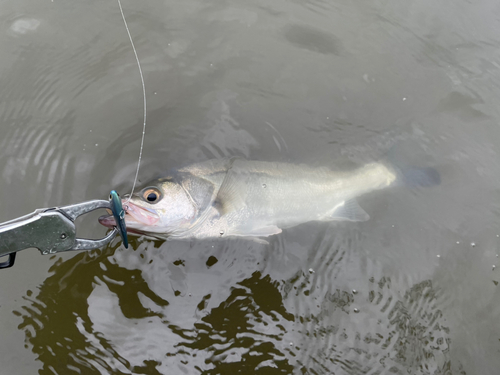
(161,209)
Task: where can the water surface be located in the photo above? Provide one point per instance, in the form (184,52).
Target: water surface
(412,291)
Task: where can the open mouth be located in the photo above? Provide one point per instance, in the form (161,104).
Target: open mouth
(134,216)
(107,220)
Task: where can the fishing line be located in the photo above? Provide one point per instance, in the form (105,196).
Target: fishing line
(144,95)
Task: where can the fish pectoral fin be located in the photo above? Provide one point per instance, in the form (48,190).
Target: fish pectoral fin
(231,194)
(348,210)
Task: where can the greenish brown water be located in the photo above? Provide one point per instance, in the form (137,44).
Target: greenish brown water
(413,290)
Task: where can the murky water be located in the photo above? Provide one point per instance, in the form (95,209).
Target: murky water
(412,291)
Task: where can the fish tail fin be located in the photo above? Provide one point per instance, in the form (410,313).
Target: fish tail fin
(411,176)
(418,177)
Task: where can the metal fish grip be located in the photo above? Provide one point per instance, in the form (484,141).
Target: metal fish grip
(50,230)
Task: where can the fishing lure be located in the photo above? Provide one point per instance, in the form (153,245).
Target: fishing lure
(119,215)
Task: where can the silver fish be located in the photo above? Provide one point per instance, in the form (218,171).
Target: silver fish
(240,198)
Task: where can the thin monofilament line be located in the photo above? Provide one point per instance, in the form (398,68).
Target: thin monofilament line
(144,94)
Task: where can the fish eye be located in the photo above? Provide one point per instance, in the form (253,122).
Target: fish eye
(151,195)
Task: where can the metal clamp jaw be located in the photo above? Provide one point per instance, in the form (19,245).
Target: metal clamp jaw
(50,230)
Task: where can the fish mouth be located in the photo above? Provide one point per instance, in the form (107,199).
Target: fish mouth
(107,220)
(136,217)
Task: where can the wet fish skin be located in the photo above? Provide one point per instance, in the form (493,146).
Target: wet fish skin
(236,197)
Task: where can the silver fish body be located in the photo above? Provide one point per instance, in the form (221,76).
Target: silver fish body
(235,197)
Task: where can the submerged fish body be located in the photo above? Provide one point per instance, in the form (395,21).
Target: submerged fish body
(235,197)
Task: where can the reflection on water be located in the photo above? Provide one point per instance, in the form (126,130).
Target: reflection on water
(156,311)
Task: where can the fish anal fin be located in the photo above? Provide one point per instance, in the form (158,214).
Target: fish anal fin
(348,210)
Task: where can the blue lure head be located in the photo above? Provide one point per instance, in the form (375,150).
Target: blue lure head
(119,215)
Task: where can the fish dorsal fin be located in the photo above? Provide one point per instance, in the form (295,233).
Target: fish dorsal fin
(232,192)
(349,210)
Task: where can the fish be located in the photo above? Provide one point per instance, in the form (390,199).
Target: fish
(233,197)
